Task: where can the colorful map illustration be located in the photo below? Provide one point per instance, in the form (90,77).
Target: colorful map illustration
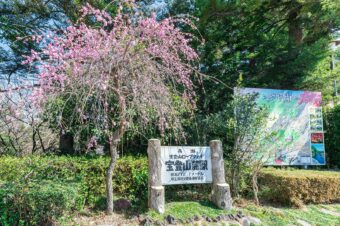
(295,117)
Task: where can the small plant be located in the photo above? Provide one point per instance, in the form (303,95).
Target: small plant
(250,140)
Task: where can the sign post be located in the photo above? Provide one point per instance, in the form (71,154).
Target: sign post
(170,165)
(220,194)
(156,195)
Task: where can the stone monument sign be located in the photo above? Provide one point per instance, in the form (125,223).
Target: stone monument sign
(169,165)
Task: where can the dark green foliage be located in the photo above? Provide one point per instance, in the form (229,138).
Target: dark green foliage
(85,174)
(42,190)
(253,43)
(38,203)
(273,44)
(81,180)
(130,179)
(332,135)
(239,179)
(5,146)
(264,44)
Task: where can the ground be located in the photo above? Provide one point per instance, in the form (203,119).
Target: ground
(326,214)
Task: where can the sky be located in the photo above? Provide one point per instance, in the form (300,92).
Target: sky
(60,20)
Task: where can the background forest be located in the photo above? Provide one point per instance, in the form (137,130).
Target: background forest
(59,156)
(263,44)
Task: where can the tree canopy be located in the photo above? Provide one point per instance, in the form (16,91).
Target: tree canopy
(267,44)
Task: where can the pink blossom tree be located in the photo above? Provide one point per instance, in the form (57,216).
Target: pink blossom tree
(22,130)
(126,69)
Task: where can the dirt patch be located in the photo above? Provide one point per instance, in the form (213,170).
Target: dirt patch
(102,219)
(330,212)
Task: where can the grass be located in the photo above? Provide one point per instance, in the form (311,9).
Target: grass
(286,216)
(185,210)
(267,214)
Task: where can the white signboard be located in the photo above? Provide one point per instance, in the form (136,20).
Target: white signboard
(186,165)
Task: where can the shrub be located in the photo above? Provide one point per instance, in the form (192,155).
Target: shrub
(332,136)
(129,178)
(242,176)
(38,189)
(41,189)
(298,187)
(39,203)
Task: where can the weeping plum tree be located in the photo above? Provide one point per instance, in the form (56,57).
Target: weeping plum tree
(126,69)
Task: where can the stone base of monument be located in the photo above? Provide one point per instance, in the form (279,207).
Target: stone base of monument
(157,199)
(220,196)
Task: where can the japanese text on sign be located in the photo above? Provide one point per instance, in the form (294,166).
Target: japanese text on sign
(186,165)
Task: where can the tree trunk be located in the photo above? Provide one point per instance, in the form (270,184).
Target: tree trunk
(113,142)
(294,24)
(41,140)
(66,143)
(255,186)
(236,180)
(220,194)
(109,188)
(34,142)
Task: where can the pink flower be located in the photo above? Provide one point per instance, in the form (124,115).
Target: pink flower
(131,68)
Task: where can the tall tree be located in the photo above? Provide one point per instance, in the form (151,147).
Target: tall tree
(268,43)
(26,18)
(116,74)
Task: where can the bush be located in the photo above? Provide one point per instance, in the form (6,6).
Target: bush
(129,178)
(41,203)
(41,189)
(298,187)
(240,182)
(332,135)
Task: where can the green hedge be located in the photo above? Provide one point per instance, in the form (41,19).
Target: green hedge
(129,177)
(38,203)
(298,187)
(36,190)
(41,189)
(85,175)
